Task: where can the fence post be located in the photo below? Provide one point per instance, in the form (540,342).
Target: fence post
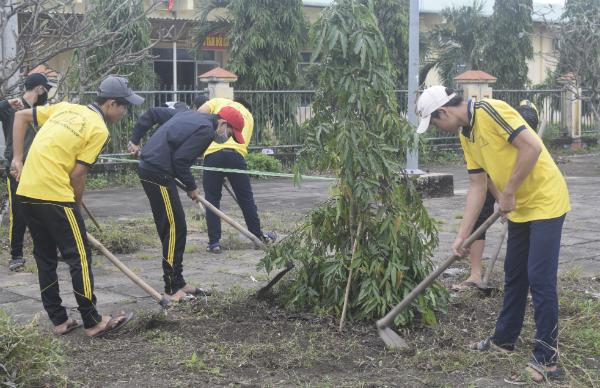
(218,83)
(476,84)
(571,110)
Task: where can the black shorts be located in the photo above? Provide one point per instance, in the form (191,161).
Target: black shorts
(486,212)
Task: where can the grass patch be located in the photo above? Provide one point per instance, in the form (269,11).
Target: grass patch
(125,236)
(128,180)
(458,216)
(191,249)
(441,158)
(143,256)
(232,242)
(31,358)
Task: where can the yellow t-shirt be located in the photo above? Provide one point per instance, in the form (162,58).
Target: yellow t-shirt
(487,145)
(69,134)
(216,104)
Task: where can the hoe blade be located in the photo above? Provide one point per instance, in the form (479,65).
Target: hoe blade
(390,338)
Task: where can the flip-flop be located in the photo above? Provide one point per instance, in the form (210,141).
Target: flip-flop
(73,327)
(539,368)
(267,236)
(187,298)
(201,292)
(486,345)
(16,264)
(467,284)
(120,325)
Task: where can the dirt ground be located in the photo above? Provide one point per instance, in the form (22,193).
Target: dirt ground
(234,340)
(237,340)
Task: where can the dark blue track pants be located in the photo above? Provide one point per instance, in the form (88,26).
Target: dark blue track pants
(212,182)
(531,264)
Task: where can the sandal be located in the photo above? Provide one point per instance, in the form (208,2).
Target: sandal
(119,325)
(16,264)
(201,292)
(539,368)
(70,328)
(268,238)
(211,248)
(464,284)
(186,298)
(486,345)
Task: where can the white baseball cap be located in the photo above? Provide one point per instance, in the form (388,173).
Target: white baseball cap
(431,99)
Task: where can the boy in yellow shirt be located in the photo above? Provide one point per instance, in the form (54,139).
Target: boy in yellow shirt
(497,141)
(230,155)
(51,187)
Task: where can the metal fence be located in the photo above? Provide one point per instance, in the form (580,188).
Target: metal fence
(547,101)
(279,115)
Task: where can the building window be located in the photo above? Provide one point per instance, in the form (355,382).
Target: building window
(305,60)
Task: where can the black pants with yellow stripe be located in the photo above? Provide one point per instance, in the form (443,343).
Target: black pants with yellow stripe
(169,218)
(53,224)
(17,223)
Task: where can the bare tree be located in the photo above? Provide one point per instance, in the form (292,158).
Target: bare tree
(576,54)
(50,27)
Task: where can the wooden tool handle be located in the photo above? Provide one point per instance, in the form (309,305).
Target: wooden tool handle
(225,218)
(542,129)
(389,317)
(495,255)
(230,192)
(96,244)
(89,213)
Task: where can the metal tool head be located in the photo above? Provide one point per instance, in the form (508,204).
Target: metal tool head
(390,338)
(165,304)
(487,291)
(263,291)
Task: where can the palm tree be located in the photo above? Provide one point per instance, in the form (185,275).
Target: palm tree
(219,24)
(458,43)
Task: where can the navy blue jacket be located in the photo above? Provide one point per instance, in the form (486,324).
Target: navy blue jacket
(184,135)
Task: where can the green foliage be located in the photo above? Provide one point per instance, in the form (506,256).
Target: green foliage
(265,37)
(262,162)
(509,45)
(357,133)
(392,17)
(459,41)
(34,357)
(141,76)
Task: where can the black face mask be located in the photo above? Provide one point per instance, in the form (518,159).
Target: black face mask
(42,99)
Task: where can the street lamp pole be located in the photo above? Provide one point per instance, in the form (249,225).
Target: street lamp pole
(412,161)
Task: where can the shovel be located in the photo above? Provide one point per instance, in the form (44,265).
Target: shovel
(483,285)
(225,218)
(246,233)
(163,302)
(388,336)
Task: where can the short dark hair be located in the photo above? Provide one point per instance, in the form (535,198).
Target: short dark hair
(228,125)
(119,100)
(199,101)
(245,103)
(455,101)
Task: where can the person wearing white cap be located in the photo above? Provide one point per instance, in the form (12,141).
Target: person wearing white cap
(533,200)
(51,187)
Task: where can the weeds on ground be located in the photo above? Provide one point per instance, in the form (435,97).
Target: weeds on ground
(29,357)
(442,348)
(557,152)
(441,158)
(125,236)
(128,180)
(143,256)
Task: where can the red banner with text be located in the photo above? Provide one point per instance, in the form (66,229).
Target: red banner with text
(216,42)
